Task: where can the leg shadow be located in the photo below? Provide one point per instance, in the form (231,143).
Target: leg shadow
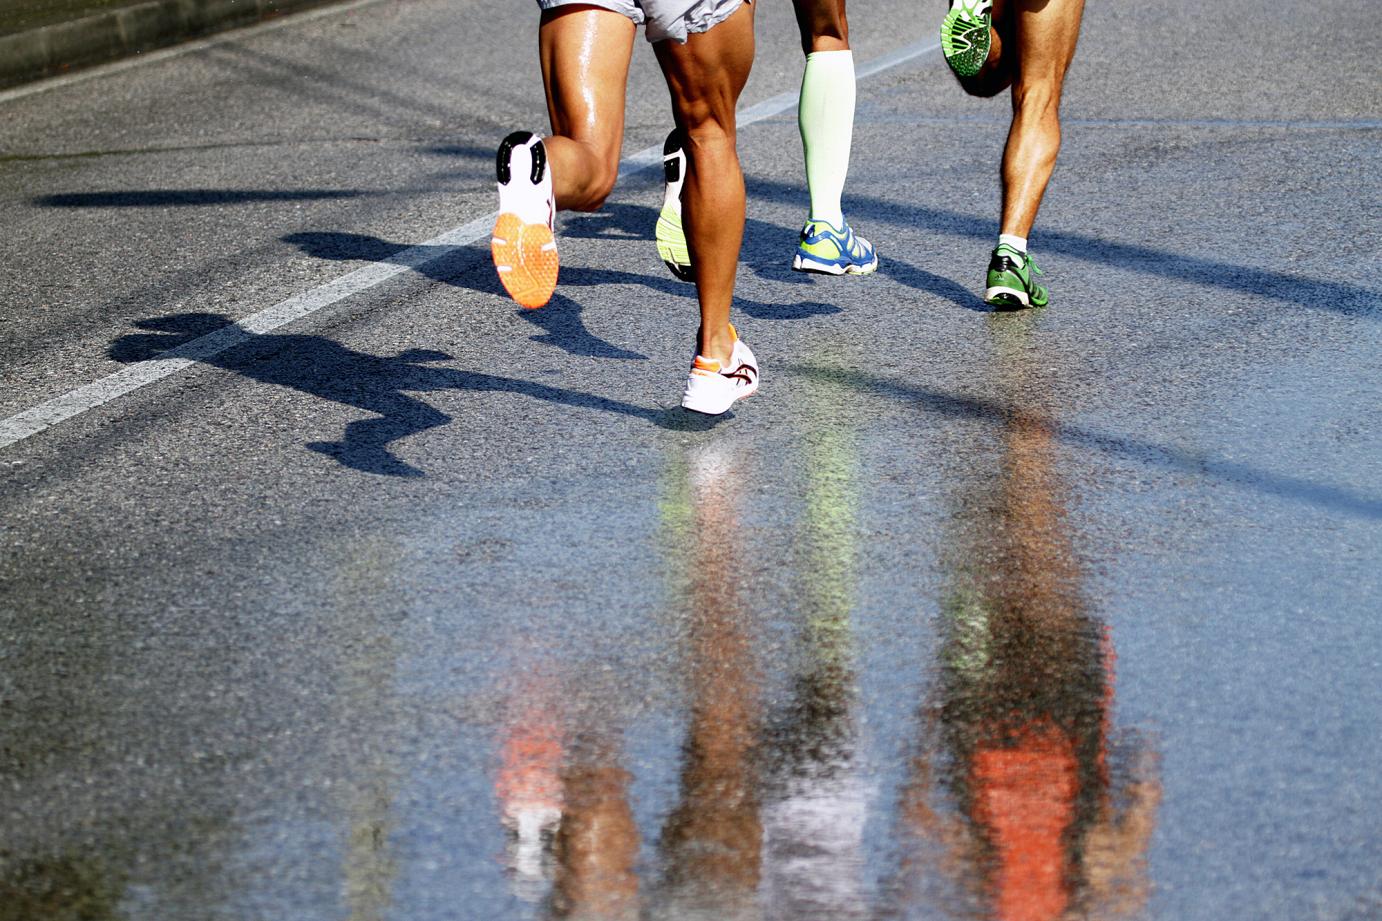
(325,369)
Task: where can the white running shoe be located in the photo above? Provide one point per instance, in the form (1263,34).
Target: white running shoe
(522,245)
(712,388)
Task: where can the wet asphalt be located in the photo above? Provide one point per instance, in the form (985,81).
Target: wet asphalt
(427,607)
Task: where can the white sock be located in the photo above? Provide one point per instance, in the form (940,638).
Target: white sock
(826,118)
(1016,242)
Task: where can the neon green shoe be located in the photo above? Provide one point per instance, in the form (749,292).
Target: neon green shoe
(965,35)
(1010,285)
(671,238)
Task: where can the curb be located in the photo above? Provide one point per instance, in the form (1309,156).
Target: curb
(58,48)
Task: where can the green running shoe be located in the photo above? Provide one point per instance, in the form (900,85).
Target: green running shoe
(965,35)
(1010,285)
(671,238)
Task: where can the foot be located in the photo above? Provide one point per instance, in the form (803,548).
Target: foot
(965,35)
(523,247)
(671,239)
(713,386)
(829,251)
(1011,283)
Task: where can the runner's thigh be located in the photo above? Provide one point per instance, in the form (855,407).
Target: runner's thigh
(1046,32)
(585,51)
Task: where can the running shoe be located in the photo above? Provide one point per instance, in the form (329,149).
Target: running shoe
(1010,280)
(965,35)
(523,245)
(713,387)
(828,251)
(671,239)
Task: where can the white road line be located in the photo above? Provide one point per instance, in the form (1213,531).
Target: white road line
(75,402)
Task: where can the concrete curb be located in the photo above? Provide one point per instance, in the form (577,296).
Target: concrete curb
(65,46)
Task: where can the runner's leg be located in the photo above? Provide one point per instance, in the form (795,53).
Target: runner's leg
(825,115)
(705,76)
(822,24)
(585,53)
(1045,35)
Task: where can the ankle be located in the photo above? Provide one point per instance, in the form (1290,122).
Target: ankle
(1013,241)
(717,344)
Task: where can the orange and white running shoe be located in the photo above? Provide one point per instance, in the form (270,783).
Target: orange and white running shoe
(523,247)
(713,387)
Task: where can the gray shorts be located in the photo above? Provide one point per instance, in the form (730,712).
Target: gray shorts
(674,19)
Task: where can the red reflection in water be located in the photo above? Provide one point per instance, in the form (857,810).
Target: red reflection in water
(1026,797)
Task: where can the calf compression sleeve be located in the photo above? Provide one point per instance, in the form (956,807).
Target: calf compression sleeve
(826,117)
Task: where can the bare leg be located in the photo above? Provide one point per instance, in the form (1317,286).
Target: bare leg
(705,77)
(1045,35)
(823,25)
(585,55)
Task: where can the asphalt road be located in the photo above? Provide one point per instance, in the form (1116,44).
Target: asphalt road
(420,606)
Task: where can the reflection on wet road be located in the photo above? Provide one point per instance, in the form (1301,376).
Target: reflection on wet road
(1021,800)
(427,608)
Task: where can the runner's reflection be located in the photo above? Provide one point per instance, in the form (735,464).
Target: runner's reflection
(769,813)
(563,796)
(711,841)
(1019,795)
(815,797)
(597,843)
(529,787)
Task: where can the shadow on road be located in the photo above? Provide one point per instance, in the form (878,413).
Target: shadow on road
(379,384)
(456,266)
(767,252)
(1145,452)
(1338,297)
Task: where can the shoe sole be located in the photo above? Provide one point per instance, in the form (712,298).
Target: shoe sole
(1006,298)
(670,236)
(672,249)
(811,266)
(965,61)
(524,254)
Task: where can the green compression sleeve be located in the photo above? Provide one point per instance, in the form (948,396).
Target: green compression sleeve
(826,117)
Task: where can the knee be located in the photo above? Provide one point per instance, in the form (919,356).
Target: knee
(826,34)
(1037,97)
(710,139)
(823,25)
(599,190)
(598,185)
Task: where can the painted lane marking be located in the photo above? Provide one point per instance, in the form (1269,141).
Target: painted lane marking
(31,422)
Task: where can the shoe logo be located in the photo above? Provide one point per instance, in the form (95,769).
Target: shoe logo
(745,372)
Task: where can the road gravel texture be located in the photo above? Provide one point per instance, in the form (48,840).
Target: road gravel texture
(427,607)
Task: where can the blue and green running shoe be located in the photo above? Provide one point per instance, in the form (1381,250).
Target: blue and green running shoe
(965,35)
(828,251)
(671,238)
(1010,280)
